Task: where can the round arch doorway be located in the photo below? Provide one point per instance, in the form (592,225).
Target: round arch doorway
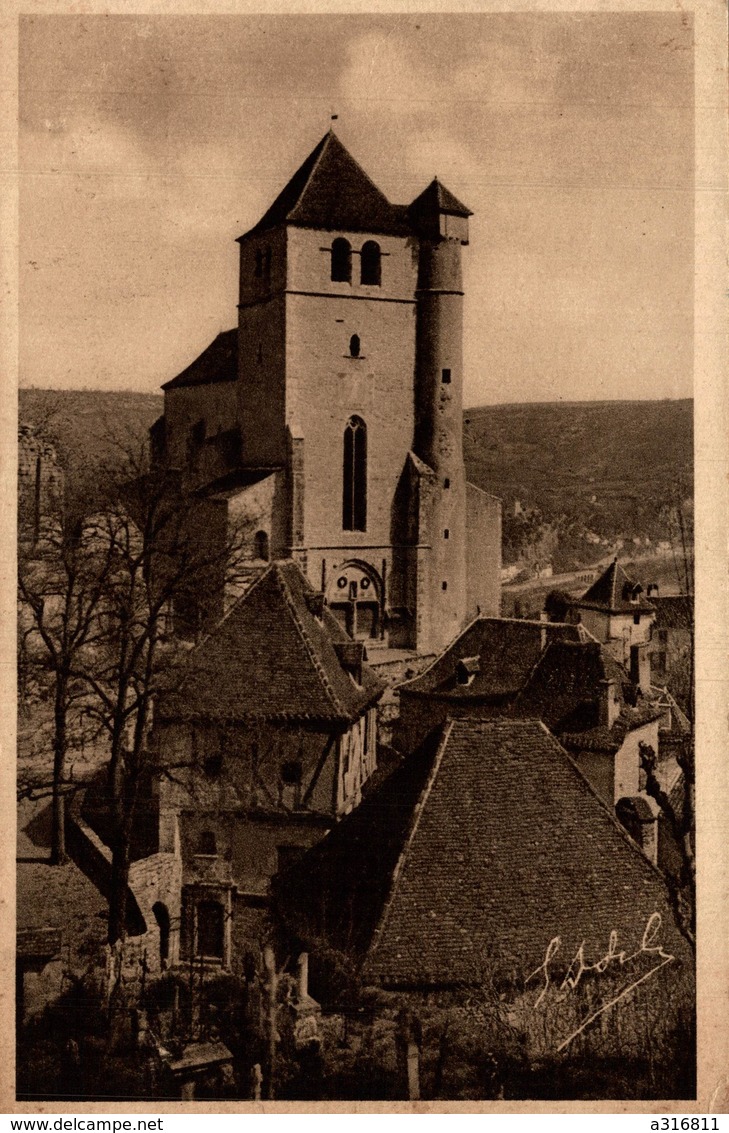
(353,596)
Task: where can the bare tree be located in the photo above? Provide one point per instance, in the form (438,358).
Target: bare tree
(680,820)
(60,588)
(165,552)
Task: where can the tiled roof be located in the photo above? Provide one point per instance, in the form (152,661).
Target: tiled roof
(339,888)
(507,651)
(507,846)
(611,593)
(217,363)
(271,658)
(436,198)
(331,191)
(565,690)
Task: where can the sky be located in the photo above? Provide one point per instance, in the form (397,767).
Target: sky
(148,143)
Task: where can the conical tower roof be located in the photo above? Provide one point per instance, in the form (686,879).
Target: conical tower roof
(331,191)
(613,591)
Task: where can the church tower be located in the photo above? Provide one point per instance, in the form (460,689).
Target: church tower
(329,422)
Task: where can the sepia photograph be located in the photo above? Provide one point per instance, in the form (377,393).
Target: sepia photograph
(355,583)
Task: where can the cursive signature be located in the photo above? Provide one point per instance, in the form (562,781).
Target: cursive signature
(614,958)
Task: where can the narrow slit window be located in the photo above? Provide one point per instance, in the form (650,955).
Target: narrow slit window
(445,376)
(355,346)
(446,534)
(446,483)
(354,478)
(444,585)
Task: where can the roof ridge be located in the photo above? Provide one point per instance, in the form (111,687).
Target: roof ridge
(308,644)
(412,830)
(324,144)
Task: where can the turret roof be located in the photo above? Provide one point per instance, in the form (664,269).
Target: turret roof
(613,592)
(439,199)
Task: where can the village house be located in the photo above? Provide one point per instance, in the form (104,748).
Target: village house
(616,613)
(266,742)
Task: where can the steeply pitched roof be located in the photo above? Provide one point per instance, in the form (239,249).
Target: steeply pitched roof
(565,690)
(507,651)
(507,846)
(331,191)
(217,363)
(611,592)
(436,198)
(272,658)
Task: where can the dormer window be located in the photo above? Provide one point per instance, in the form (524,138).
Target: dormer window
(370,264)
(341,260)
(466,670)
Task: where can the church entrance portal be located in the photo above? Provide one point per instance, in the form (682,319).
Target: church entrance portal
(353,596)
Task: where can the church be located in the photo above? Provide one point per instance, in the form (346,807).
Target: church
(328,425)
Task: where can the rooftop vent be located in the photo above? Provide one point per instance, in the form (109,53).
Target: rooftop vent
(466,669)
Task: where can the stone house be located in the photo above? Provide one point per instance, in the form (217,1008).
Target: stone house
(615,611)
(267,740)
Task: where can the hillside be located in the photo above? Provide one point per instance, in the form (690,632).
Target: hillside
(581,471)
(90,427)
(585,474)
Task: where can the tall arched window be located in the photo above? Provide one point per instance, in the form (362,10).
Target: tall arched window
(370,263)
(341,260)
(354,479)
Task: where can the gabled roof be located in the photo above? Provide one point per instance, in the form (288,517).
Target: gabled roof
(217,363)
(507,651)
(611,593)
(272,658)
(565,690)
(331,191)
(506,846)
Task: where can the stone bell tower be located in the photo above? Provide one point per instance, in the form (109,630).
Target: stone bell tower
(442,225)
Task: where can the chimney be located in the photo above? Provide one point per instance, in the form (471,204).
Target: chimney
(640,668)
(653,591)
(315,604)
(302,973)
(609,703)
(351,655)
